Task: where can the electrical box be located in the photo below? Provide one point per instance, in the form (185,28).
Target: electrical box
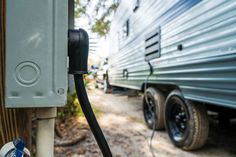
(36,53)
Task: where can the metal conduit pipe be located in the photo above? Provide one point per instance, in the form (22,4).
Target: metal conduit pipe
(45,132)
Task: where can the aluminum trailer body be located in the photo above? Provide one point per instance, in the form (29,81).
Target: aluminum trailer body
(205,68)
(185,50)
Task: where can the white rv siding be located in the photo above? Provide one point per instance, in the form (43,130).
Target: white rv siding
(205,70)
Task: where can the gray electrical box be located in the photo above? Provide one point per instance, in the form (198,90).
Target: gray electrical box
(36,53)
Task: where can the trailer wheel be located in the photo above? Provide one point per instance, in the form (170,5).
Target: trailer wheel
(186,122)
(153,106)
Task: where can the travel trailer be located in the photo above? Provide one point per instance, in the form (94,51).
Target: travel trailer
(182,55)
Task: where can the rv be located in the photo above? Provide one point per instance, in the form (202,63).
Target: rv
(182,55)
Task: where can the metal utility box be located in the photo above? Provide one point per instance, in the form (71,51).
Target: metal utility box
(36,53)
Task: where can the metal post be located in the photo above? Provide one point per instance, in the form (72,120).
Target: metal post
(45,132)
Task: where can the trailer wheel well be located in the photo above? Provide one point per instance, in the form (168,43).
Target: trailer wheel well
(165,88)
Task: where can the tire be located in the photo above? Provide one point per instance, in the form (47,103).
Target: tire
(186,122)
(155,104)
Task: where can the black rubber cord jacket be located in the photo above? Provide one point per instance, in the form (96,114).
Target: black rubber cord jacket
(88,112)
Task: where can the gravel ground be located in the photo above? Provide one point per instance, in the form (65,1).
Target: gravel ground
(128,136)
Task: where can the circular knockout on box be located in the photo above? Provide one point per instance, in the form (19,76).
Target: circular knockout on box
(27,73)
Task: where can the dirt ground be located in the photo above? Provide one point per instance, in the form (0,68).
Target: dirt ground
(121,119)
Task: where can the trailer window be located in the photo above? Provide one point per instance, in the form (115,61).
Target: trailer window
(126,29)
(136,5)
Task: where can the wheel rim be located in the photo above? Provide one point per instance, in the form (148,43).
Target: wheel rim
(178,120)
(149,111)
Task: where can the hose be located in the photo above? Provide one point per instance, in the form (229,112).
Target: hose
(89,115)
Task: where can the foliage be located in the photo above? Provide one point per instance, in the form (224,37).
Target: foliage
(101,19)
(73,108)
(80,9)
(86,80)
(101,27)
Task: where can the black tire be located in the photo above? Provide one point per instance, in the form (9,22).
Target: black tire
(224,120)
(186,122)
(155,104)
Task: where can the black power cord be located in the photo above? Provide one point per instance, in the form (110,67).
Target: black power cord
(88,112)
(153,114)
(78,45)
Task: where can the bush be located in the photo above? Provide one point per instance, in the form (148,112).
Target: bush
(73,108)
